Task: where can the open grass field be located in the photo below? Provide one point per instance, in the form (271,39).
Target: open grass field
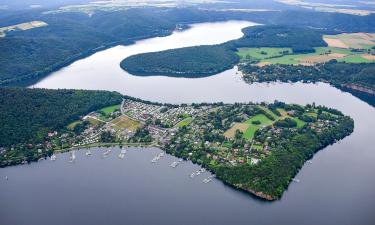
(263,53)
(124,122)
(264,121)
(243,127)
(185,122)
(321,55)
(110,109)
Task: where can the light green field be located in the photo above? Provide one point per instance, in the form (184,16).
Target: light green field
(294,59)
(110,109)
(357,58)
(262,53)
(185,122)
(264,121)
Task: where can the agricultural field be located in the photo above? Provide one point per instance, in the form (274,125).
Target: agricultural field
(22,26)
(321,55)
(263,53)
(124,122)
(351,41)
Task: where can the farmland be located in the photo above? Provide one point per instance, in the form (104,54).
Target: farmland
(321,55)
(21,26)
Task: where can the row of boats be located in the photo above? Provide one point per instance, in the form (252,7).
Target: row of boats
(176,163)
(88,153)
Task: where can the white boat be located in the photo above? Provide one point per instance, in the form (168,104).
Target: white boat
(53,157)
(123,151)
(121,155)
(207,180)
(174,164)
(296,180)
(6,177)
(192,175)
(72,156)
(106,153)
(88,153)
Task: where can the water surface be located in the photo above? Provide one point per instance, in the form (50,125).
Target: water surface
(336,189)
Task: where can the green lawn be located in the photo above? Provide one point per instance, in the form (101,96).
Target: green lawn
(110,109)
(299,122)
(185,122)
(264,121)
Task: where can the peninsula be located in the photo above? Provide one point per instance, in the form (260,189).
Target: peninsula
(258,148)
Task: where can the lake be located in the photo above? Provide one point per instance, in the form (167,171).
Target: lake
(337,188)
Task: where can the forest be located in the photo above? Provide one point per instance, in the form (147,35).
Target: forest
(198,61)
(31,55)
(27,115)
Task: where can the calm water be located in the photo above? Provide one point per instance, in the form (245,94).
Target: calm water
(338,188)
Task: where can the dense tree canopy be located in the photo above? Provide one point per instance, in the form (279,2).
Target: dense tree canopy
(27,115)
(188,62)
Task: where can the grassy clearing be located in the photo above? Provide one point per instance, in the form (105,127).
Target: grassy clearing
(124,122)
(74,124)
(110,109)
(243,127)
(185,122)
(357,58)
(250,131)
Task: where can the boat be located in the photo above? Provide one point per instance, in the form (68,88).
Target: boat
(53,157)
(192,175)
(6,177)
(295,180)
(174,164)
(88,153)
(106,153)
(123,151)
(121,155)
(72,156)
(207,180)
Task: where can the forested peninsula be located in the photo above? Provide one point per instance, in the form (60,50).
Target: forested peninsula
(201,61)
(198,61)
